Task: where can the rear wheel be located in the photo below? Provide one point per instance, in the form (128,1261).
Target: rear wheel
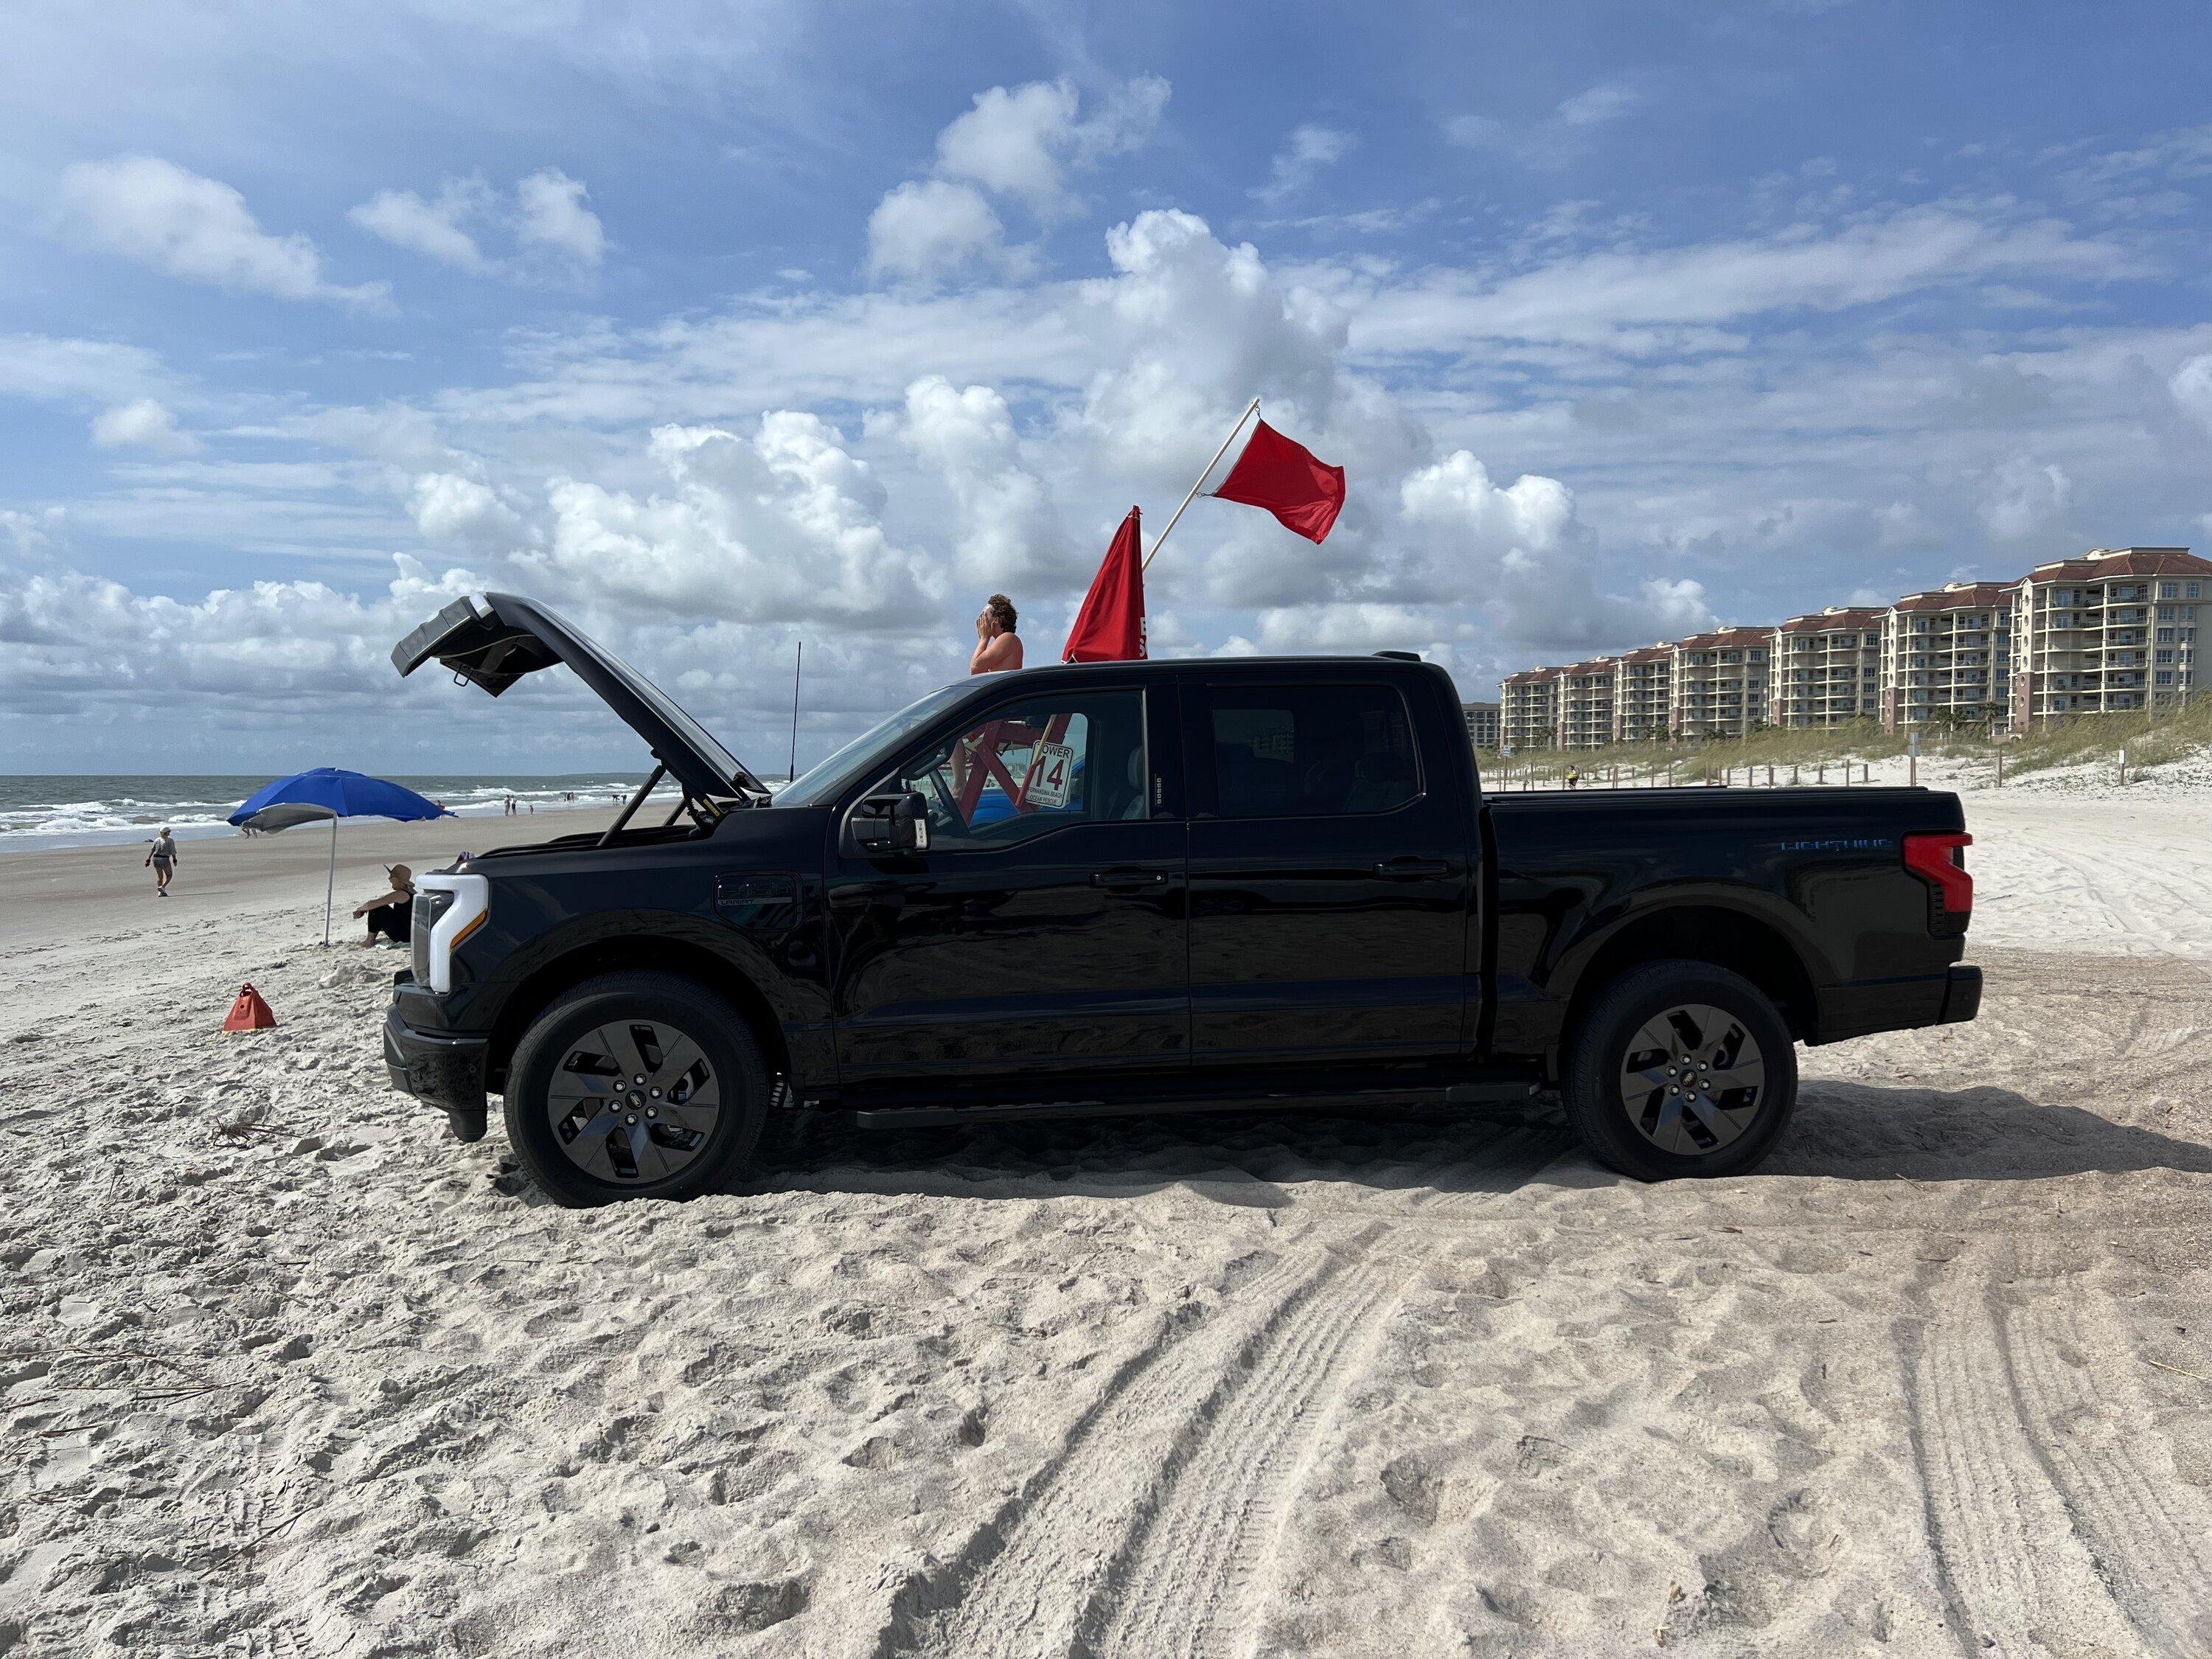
(635,1086)
(1680,1068)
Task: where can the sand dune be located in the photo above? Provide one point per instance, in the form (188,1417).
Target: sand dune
(285,1370)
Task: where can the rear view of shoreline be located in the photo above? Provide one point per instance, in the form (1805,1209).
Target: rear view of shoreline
(42,811)
(80,895)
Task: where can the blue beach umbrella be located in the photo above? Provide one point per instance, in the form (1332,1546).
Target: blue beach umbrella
(329,792)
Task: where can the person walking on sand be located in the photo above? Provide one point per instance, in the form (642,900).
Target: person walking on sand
(162,859)
(392,914)
(997,646)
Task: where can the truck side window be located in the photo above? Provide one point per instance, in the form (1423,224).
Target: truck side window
(1034,767)
(1315,750)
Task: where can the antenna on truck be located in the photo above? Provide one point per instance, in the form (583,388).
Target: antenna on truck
(797,664)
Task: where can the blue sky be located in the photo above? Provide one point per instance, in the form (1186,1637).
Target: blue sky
(718,326)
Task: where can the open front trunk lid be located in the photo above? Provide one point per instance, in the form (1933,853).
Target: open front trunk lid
(496,640)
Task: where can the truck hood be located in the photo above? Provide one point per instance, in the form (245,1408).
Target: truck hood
(497,639)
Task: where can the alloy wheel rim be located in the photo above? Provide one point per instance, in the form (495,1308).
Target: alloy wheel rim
(1693,1079)
(634,1102)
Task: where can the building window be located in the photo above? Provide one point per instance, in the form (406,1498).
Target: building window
(2191,592)
(2166,677)
(2166,636)
(2169,590)
(2165,656)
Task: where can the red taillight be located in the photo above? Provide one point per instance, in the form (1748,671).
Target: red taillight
(1941,861)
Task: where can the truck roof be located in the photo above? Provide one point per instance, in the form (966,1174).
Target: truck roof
(1373,662)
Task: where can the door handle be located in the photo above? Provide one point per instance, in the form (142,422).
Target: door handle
(1129,880)
(1411,869)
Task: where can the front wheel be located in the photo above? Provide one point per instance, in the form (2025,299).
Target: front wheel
(635,1086)
(1680,1068)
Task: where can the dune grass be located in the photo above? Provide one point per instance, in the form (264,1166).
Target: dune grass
(2151,739)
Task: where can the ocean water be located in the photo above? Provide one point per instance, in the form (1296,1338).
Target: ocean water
(90,809)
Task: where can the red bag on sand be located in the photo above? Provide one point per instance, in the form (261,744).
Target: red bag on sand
(249,1012)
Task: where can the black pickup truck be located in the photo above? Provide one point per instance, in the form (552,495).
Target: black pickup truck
(1144,887)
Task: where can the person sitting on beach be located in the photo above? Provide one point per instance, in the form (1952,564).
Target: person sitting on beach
(997,646)
(162,859)
(392,914)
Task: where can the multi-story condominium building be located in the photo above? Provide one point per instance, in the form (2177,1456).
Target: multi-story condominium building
(1481,724)
(1643,696)
(1826,668)
(1947,657)
(1586,703)
(2115,630)
(1720,682)
(1529,711)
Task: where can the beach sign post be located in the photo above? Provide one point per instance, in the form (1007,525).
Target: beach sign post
(332,792)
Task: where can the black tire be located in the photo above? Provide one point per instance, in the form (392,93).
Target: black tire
(635,1086)
(1722,1088)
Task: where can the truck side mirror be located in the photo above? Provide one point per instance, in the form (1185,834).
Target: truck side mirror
(895,822)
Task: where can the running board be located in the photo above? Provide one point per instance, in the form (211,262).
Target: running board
(1501,1092)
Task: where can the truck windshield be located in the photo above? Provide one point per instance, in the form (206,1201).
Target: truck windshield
(873,747)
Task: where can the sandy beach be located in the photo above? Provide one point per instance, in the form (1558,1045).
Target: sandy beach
(286,1370)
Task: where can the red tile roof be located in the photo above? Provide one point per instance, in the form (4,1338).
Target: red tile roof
(1960,596)
(2122,561)
(1724,636)
(1820,622)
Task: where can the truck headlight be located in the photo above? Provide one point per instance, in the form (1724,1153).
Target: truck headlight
(447,909)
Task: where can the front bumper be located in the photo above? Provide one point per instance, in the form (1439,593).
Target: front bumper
(439,1068)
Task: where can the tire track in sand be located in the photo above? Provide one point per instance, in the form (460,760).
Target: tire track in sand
(1154,1530)
(2046,1526)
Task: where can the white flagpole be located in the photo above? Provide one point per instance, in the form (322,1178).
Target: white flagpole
(1250,409)
(330,888)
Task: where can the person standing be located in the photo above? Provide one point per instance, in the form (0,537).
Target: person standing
(162,859)
(998,647)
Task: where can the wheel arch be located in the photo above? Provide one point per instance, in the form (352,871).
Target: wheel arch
(1732,939)
(655,953)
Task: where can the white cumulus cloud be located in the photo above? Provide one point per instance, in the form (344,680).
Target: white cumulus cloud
(1530,513)
(2023,496)
(1022,144)
(554,236)
(450,508)
(198,228)
(2191,386)
(785,525)
(551,215)
(929,228)
(1010,531)
(1310,148)
(1024,141)
(142,423)
(435,229)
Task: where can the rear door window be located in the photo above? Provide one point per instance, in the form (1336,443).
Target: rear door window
(1313,750)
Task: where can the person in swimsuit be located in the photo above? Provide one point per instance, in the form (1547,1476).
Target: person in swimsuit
(162,859)
(392,914)
(997,646)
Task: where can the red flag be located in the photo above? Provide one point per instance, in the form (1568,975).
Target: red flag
(1110,627)
(1283,475)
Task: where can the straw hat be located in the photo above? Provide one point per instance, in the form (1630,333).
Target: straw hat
(400,874)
